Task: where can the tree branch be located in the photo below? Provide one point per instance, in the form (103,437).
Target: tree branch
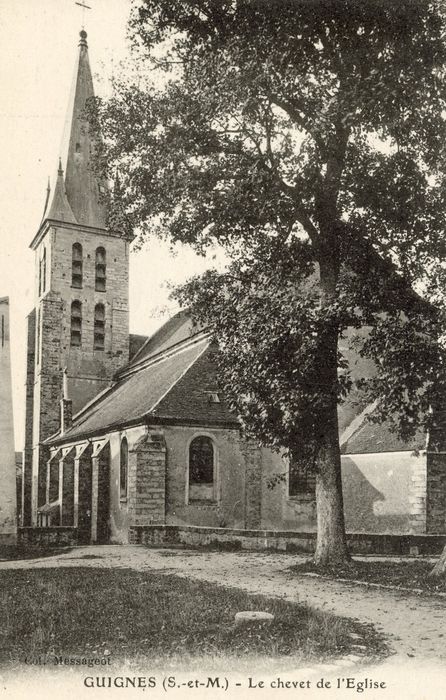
(302,215)
(295,113)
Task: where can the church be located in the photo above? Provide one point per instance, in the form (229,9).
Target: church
(125,433)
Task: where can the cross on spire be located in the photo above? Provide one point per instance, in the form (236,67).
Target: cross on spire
(84,7)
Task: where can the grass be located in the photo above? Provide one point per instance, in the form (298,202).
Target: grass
(413,574)
(146,617)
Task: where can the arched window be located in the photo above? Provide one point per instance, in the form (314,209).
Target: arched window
(76,266)
(76,323)
(101,269)
(123,468)
(99,327)
(201,469)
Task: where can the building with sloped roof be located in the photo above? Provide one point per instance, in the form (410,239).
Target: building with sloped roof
(125,432)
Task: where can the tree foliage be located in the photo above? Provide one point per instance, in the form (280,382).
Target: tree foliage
(308,139)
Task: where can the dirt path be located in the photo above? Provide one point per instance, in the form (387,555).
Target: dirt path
(414,625)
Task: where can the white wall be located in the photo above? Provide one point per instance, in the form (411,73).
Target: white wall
(8,502)
(379,490)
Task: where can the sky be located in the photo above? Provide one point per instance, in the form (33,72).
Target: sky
(37,56)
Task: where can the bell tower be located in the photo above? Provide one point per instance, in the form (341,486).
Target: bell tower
(79,326)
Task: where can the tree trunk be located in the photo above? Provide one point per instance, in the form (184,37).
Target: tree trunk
(331,544)
(440,567)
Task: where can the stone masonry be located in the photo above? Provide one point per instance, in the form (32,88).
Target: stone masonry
(253,485)
(88,370)
(147,481)
(417,499)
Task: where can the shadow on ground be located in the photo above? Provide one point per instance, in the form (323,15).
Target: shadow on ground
(14,553)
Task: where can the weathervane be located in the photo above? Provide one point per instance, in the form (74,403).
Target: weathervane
(84,7)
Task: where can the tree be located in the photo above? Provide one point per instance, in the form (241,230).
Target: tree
(307,139)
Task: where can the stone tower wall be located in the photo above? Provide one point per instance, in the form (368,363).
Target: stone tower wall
(89,371)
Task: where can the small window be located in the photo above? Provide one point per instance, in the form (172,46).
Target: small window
(101,269)
(123,468)
(301,478)
(76,323)
(99,327)
(76,269)
(201,469)
(78,148)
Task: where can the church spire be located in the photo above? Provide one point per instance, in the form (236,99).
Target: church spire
(85,190)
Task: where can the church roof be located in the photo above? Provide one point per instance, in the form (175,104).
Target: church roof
(174,383)
(371,438)
(176,330)
(135,344)
(136,396)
